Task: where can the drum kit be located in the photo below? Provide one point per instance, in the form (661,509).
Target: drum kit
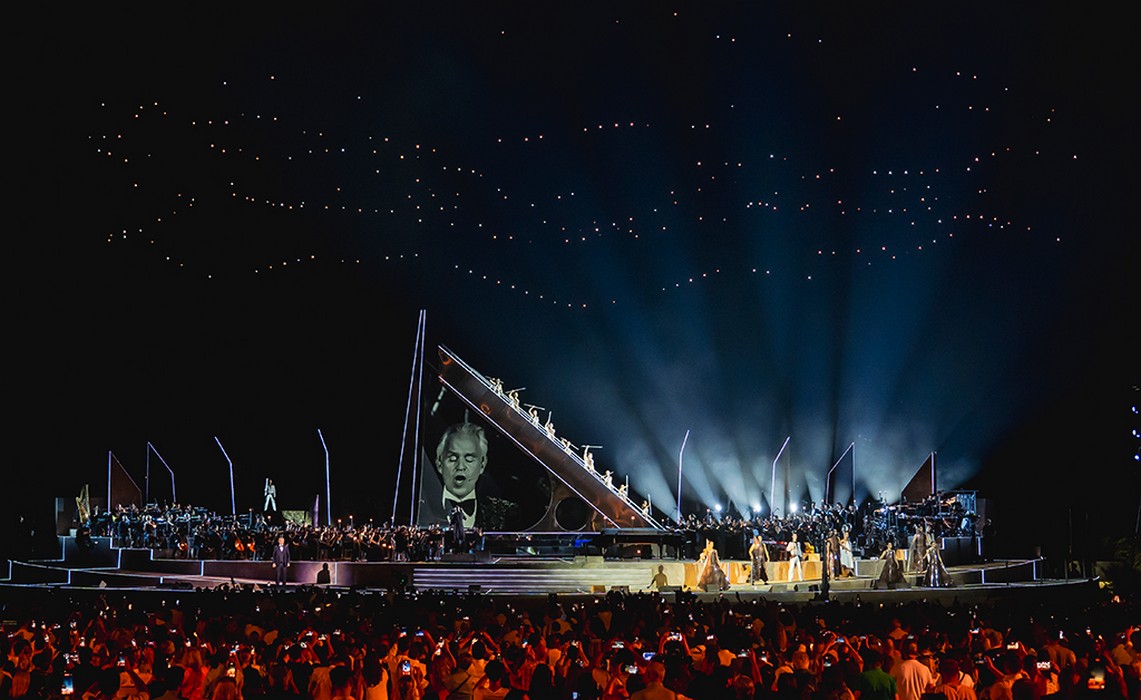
(944,514)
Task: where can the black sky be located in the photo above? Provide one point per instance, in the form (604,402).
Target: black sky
(748,222)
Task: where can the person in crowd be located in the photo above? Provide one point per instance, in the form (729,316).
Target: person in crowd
(342,682)
(1127,656)
(1061,656)
(492,686)
(280,683)
(193,685)
(874,683)
(222,664)
(610,644)
(951,679)
(460,683)
(374,675)
(542,685)
(654,684)
(165,685)
(226,689)
(1007,672)
(912,677)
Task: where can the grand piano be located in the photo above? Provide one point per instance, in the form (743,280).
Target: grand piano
(581,498)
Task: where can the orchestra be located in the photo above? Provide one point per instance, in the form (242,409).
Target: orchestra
(185,532)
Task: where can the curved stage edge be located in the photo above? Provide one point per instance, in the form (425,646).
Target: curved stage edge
(107,568)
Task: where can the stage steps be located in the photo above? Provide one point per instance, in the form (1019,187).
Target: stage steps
(516,578)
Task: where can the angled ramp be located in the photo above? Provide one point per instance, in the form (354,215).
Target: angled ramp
(574,481)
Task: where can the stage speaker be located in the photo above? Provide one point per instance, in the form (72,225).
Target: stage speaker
(474,588)
(598,589)
(176,585)
(620,589)
(670,589)
(63,515)
(681,597)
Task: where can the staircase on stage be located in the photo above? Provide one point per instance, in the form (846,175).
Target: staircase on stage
(581,498)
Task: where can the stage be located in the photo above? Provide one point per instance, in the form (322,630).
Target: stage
(107,568)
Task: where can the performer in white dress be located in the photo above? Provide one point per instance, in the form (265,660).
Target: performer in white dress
(794,556)
(847,561)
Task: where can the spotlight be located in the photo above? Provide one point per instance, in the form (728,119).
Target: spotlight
(792,507)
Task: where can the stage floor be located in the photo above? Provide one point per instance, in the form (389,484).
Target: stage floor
(136,570)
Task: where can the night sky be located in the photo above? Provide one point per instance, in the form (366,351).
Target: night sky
(911,228)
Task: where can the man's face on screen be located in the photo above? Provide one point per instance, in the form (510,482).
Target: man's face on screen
(461,464)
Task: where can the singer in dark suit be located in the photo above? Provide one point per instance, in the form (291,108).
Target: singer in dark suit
(280,559)
(461,458)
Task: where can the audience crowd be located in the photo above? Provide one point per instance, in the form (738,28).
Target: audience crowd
(314,643)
